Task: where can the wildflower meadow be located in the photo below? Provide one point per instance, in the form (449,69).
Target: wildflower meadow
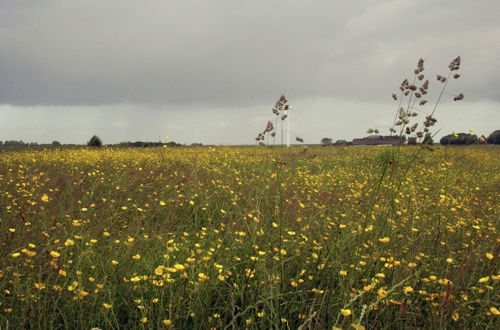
(250,237)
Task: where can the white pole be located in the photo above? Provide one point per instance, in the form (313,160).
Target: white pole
(288,129)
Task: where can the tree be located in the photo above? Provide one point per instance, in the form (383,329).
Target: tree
(95,141)
(56,143)
(458,139)
(326,142)
(494,137)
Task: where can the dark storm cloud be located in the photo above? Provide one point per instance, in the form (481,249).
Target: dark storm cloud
(237,53)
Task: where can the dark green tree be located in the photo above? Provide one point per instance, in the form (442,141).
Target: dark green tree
(494,137)
(458,139)
(95,141)
(56,143)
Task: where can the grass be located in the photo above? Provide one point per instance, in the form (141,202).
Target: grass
(249,237)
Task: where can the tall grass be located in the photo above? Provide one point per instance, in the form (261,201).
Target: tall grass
(246,237)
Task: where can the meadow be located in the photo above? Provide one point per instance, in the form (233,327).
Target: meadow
(249,237)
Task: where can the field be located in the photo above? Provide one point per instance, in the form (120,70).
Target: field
(196,238)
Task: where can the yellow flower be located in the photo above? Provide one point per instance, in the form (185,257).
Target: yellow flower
(114,262)
(494,311)
(484,279)
(489,255)
(357,326)
(167,322)
(136,257)
(202,278)
(343,273)
(179,267)
(45,198)
(159,270)
(380,275)
(12,230)
(40,286)
(455,316)
(107,306)
(345,312)
(408,290)
(83,293)
(15,254)
(55,254)
(384,240)
(449,260)
(69,242)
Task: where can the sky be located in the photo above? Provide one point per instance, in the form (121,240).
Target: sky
(209,71)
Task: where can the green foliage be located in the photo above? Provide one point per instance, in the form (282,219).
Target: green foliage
(95,141)
(459,139)
(56,143)
(494,137)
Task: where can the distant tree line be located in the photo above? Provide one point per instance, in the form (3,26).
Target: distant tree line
(459,139)
(143,144)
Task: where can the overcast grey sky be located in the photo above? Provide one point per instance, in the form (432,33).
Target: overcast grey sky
(210,70)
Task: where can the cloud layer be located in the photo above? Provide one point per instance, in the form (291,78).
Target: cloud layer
(212,58)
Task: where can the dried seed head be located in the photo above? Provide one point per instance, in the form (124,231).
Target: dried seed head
(420,134)
(399,122)
(423,102)
(407,92)
(458,97)
(420,65)
(408,130)
(418,95)
(456,76)
(420,76)
(403,85)
(299,139)
(269,127)
(425,85)
(395,97)
(455,64)
(412,87)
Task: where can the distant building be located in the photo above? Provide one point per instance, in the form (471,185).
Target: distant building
(376,140)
